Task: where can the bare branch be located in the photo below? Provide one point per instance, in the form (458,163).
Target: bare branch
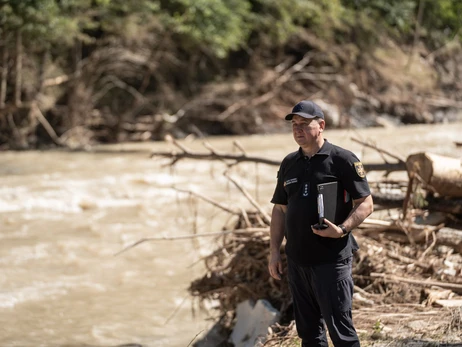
(35,111)
(380,150)
(210,201)
(50,82)
(185,237)
(212,155)
(263,213)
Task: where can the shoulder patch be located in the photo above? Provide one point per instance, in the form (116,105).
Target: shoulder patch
(360,169)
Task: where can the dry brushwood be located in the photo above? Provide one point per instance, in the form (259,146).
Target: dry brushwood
(237,272)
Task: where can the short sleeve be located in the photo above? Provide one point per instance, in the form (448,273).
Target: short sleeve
(280,195)
(353,175)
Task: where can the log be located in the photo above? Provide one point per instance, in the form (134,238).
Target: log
(449,303)
(455,287)
(445,205)
(390,200)
(412,233)
(441,204)
(450,237)
(441,174)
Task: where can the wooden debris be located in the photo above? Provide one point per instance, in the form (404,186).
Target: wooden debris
(411,258)
(439,173)
(212,154)
(449,303)
(450,237)
(455,287)
(232,159)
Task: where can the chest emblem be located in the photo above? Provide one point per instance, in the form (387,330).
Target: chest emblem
(360,169)
(291,181)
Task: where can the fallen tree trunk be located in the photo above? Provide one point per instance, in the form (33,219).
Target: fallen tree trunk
(450,237)
(453,206)
(392,200)
(441,174)
(414,233)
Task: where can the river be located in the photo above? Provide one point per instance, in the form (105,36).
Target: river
(64,215)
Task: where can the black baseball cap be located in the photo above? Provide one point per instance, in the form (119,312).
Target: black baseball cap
(306,109)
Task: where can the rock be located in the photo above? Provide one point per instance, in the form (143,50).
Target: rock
(214,337)
(252,323)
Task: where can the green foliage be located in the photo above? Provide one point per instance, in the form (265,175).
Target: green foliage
(377,327)
(399,14)
(441,19)
(277,20)
(220,25)
(41,22)
(129,20)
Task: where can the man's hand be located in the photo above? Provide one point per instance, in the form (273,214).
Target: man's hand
(332,230)
(275,265)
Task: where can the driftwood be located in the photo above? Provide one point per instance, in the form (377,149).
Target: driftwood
(233,159)
(450,237)
(414,233)
(388,167)
(186,237)
(453,206)
(436,204)
(455,287)
(263,213)
(439,173)
(212,154)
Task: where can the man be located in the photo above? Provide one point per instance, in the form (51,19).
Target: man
(319,260)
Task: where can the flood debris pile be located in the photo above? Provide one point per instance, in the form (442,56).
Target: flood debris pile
(236,272)
(408,269)
(389,275)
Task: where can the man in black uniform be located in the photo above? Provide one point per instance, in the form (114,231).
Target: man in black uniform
(319,261)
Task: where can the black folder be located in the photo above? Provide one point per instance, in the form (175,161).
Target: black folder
(336,200)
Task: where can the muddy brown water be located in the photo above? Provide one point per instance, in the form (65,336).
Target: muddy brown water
(64,215)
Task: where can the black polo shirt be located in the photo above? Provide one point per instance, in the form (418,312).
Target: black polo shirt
(296,187)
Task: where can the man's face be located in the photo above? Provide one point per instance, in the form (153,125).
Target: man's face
(306,131)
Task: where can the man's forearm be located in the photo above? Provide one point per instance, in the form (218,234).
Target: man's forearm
(362,209)
(277,227)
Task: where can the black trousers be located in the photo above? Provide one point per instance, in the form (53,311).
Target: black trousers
(322,295)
